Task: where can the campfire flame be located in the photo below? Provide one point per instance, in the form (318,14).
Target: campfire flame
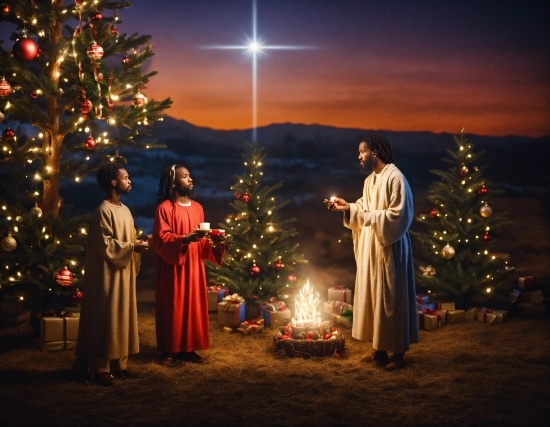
(305,307)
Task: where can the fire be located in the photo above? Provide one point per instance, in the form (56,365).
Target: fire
(305,307)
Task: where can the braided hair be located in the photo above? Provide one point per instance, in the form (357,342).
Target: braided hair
(166,184)
(107,173)
(382,146)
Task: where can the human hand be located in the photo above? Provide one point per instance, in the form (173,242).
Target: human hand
(194,236)
(336,204)
(141,247)
(218,239)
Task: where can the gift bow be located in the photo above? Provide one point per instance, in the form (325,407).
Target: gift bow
(485,311)
(433,313)
(215,288)
(232,299)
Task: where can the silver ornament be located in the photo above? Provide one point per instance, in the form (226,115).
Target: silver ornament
(485,211)
(8,243)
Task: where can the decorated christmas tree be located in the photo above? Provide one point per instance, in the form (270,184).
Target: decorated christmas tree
(260,259)
(71,99)
(458,234)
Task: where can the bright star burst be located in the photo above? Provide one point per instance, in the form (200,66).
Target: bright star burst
(255,47)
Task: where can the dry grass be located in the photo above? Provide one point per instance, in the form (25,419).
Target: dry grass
(464,374)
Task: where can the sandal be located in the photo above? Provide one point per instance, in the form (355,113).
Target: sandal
(396,362)
(378,357)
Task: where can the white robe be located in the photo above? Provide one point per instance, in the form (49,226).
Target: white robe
(384,306)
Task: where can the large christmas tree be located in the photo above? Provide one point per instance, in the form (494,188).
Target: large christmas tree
(260,259)
(71,86)
(457,236)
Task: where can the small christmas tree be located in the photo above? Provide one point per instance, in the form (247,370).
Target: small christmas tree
(71,88)
(260,259)
(458,233)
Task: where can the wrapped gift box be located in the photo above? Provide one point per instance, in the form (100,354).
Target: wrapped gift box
(426,306)
(534,311)
(247,328)
(345,321)
(532,297)
(529,283)
(215,295)
(470,314)
(335,307)
(59,328)
(429,320)
(455,316)
(486,315)
(55,345)
(272,318)
(340,293)
(231,311)
(446,306)
(422,298)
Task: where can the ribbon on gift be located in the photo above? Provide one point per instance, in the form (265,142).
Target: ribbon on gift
(232,299)
(272,304)
(421,298)
(485,311)
(218,288)
(433,313)
(342,288)
(256,321)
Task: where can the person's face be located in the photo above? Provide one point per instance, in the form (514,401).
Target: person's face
(183,182)
(366,157)
(122,183)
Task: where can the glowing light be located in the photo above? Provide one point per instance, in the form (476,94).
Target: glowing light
(255,47)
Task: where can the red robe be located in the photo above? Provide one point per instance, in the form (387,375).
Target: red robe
(181,301)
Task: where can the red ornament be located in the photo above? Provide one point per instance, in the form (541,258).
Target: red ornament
(64,277)
(85,107)
(96,16)
(126,59)
(114,32)
(237,194)
(433,213)
(282,337)
(25,49)
(34,94)
(139,99)
(89,144)
(328,336)
(95,51)
(5,87)
(254,271)
(279,265)
(76,296)
(482,190)
(6,9)
(245,197)
(8,134)
(291,278)
(486,237)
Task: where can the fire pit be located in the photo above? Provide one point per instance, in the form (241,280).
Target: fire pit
(305,335)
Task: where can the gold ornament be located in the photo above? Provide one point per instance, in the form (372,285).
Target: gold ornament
(485,211)
(35,210)
(8,243)
(448,251)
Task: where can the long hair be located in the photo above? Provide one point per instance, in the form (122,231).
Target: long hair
(166,184)
(106,173)
(382,145)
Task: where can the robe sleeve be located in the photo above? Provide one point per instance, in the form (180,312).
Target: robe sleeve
(211,253)
(390,224)
(167,243)
(354,218)
(115,251)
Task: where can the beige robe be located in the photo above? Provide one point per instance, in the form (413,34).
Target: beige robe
(384,307)
(108,321)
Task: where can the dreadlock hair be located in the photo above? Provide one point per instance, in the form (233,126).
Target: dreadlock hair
(107,173)
(382,146)
(166,184)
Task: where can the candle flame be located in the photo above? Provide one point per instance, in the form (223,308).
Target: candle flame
(305,307)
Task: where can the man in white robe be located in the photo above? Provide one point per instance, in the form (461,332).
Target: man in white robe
(108,328)
(384,309)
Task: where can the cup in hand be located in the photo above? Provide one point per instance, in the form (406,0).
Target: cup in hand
(204,226)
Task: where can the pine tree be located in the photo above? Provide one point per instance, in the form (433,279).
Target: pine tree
(71,87)
(458,234)
(260,259)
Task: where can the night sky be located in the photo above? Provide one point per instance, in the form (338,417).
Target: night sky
(395,65)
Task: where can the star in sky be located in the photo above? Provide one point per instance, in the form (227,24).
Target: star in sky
(254,47)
